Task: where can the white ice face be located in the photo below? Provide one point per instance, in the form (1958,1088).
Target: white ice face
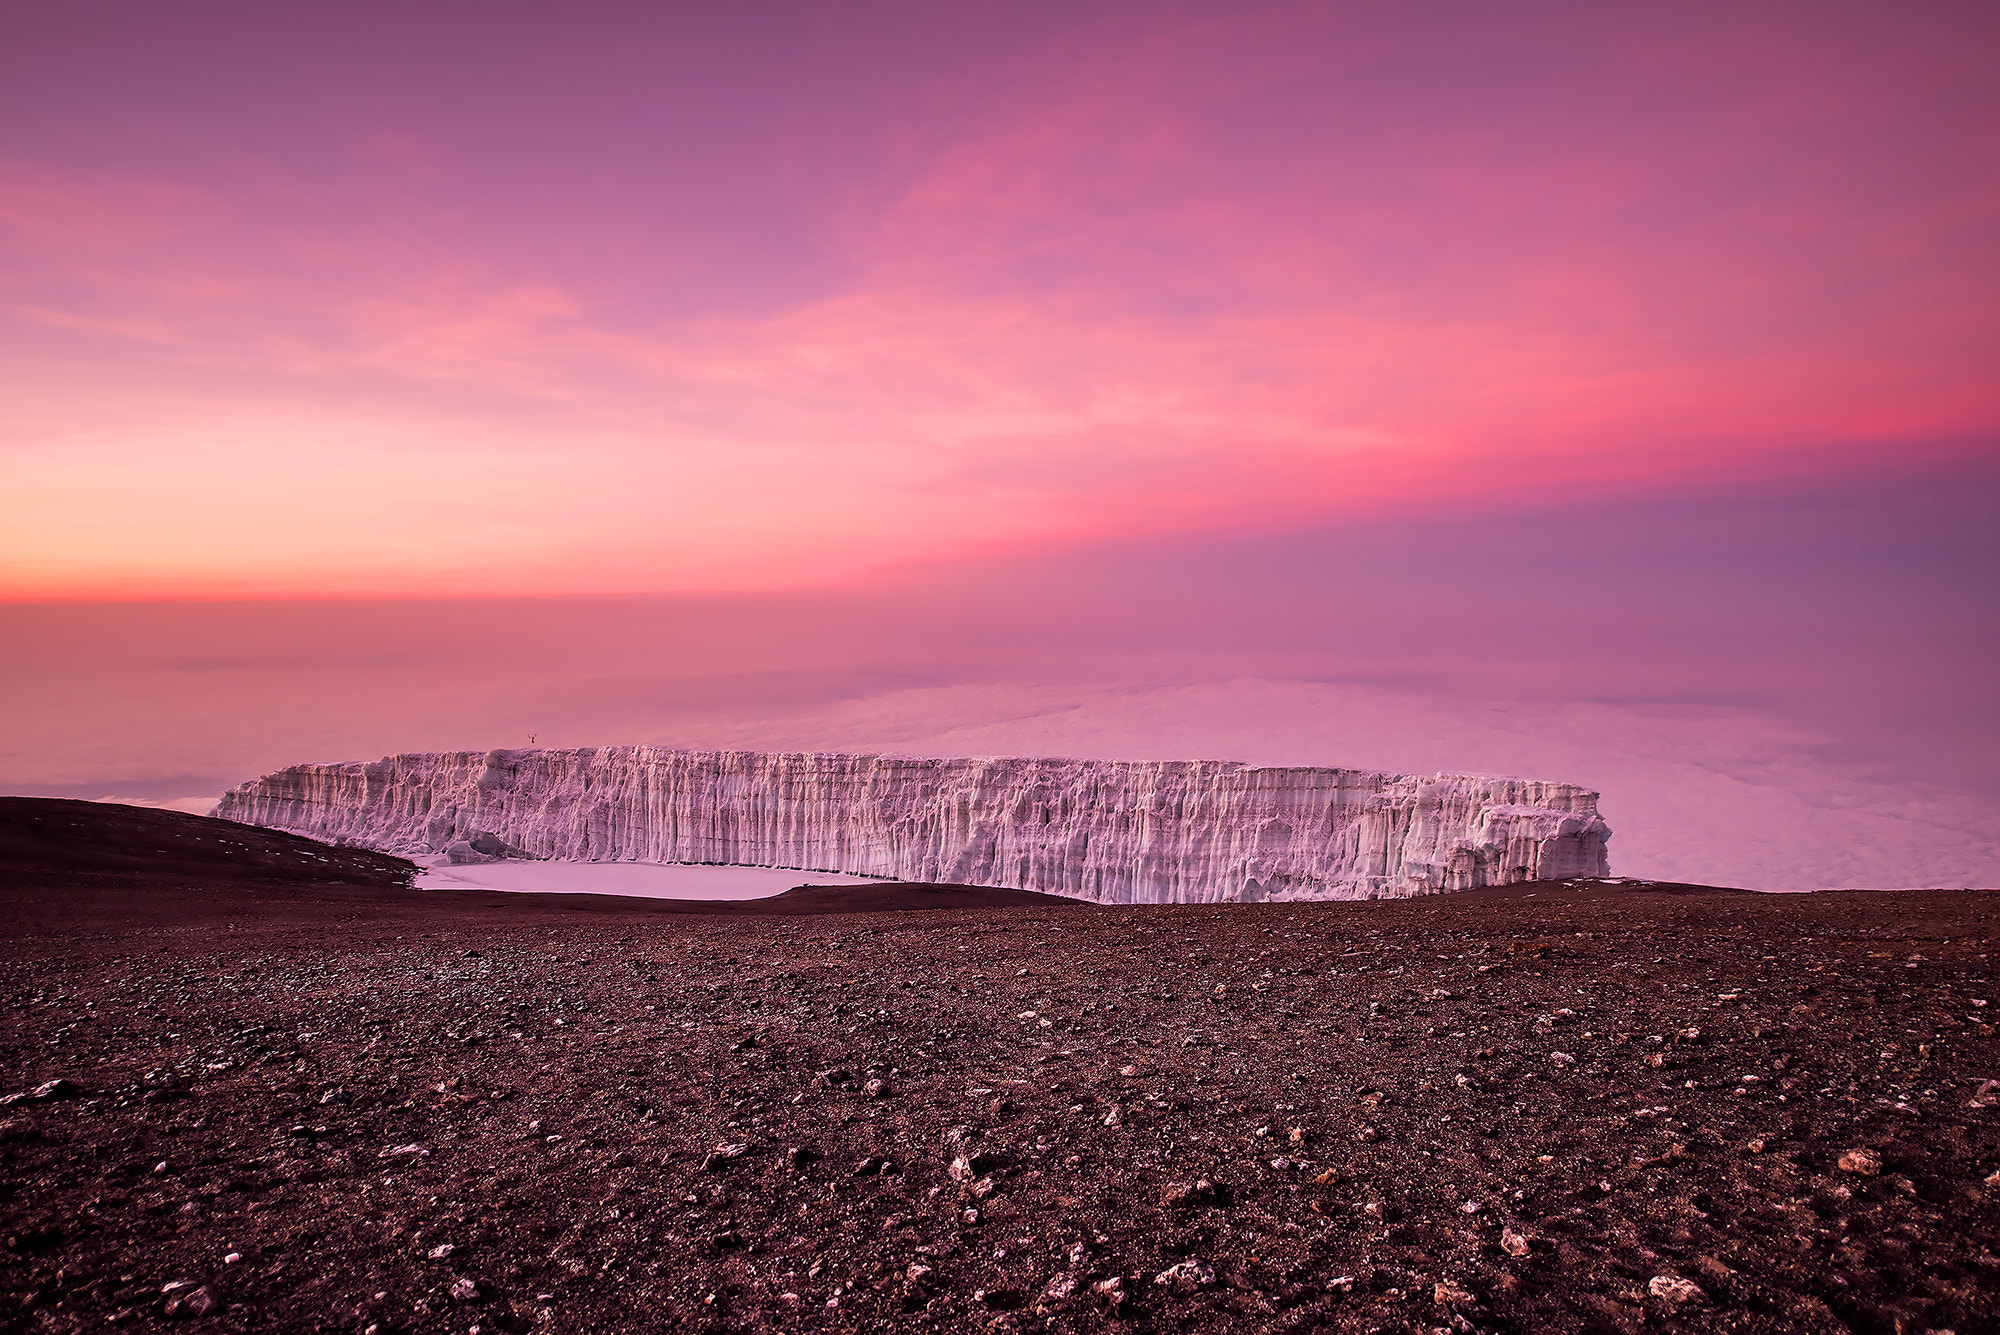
(1111,831)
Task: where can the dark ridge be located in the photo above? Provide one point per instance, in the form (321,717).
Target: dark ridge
(1577,887)
(874,897)
(83,864)
(43,837)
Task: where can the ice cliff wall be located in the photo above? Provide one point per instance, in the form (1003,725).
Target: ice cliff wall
(1112,831)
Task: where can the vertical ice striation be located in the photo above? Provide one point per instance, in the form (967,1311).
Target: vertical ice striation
(1179,831)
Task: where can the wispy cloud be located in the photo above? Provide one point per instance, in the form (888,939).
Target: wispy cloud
(1213,274)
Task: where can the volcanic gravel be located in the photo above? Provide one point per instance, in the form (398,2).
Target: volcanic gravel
(246,1096)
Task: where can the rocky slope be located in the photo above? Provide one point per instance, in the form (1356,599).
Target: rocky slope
(302,1106)
(1108,831)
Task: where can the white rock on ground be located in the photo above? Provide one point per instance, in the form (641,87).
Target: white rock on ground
(1183,831)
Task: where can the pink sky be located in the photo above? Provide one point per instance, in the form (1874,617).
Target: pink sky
(340,299)
(1026,336)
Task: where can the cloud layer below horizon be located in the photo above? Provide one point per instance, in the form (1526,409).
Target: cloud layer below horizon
(1787,692)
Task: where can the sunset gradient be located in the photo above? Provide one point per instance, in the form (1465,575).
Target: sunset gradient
(1027,334)
(463,299)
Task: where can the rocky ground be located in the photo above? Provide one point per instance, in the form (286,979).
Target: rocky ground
(263,1087)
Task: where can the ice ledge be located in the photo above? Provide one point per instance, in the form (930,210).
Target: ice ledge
(1111,831)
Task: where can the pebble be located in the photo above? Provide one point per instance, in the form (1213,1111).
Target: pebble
(1181,1194)
(1674,1289)
(1187,1275)
(721,1155)
(464,1290)
(1864,1162)
(1514,1242)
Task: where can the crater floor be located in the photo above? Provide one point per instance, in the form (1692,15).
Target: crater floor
(288,1101)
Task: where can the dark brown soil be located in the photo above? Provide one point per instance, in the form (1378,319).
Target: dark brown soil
(293,1101)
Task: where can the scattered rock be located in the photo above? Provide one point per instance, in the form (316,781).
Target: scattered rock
(1186,1277)
(1862,1162)
(716,1037)
(199,1303)
(1188,1196)
(1447,1294)
(721,1155)
(1675,1290)
(1056,1294)
(464,1290)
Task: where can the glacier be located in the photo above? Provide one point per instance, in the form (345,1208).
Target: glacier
(1115,832)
